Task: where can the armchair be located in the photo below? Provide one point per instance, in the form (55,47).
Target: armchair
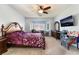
(68,41)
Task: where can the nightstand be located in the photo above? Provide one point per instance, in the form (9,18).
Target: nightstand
(3,45)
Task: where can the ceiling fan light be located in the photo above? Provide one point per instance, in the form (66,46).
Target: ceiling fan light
(40,11)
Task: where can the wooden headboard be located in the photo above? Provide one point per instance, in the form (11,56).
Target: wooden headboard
(5,29)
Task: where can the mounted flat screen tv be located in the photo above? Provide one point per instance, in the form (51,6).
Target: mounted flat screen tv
(68,21)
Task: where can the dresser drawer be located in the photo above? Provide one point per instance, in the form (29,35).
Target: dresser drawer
(3,45)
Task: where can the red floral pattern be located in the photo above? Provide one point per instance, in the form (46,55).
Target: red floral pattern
(27,39)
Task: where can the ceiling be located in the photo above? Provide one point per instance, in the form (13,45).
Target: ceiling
(28,10)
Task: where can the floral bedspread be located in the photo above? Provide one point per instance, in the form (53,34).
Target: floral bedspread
(26,38)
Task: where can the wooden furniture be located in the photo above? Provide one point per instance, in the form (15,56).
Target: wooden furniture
(4,30)
(35,31)
(45,33)
(3,45)
(17,37)
(55,34)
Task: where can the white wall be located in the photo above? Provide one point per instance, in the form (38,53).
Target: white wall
(74,11)
(8,14)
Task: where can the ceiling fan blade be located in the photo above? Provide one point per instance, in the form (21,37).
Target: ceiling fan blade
(47,8)
(41,7)
(45,12)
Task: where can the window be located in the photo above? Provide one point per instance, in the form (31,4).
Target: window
(39,25)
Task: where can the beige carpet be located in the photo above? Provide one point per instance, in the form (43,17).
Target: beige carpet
(53,47)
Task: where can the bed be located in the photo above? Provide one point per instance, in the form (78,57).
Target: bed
(21,38)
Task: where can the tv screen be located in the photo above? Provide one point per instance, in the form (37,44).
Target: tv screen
(68,21)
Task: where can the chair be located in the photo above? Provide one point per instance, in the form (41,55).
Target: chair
(35,31)
(69,41)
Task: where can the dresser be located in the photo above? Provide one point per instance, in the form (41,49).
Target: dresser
(55,34)
(3,45)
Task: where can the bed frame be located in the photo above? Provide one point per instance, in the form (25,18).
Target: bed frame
(4,30)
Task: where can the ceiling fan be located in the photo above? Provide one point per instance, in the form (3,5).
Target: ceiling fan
(43,9)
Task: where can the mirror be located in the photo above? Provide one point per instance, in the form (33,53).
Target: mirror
(57,26)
